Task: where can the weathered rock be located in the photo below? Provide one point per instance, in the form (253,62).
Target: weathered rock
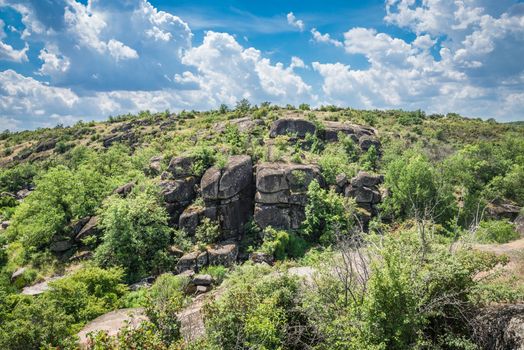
(245,124)
(364,179)
(500,328)
(20,195)
(223,254)
(366,141)
(282,193)
(261,258)
(81,256)
(89,229)
(181,167)
(286,126)
(332,129)
(179,191)
(176,251)
(40,287)
(45,146)
(191,217)
(192,261)
(4,225)
(341,180)
(503,210)
(155,165)
(125,189)
(202,280)
(202,289)
(230,192)
(363,195)
(112,323)
(61,245)
(18,273)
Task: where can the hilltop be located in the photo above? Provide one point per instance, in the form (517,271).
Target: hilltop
(264,227)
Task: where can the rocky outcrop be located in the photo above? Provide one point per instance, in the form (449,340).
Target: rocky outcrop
(125,189)
(45,146)
(332,130)
(366,141)
(230,192)
(500,327)
(192,216)
(281,194)
(502,209)
(245,124)
(180,167)
(90,228)
(364,188)
(224,253)
(155,165)
(292,126)
(178,194)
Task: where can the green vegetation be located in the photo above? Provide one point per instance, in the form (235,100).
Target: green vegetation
(402,270)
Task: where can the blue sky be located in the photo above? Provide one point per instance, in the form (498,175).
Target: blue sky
(67,60)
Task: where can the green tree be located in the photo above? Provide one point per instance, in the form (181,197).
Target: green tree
(136,234)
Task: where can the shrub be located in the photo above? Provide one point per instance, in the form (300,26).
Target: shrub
(218,272)
(496,231)
(207,232)
(326,214)
(136,234)
(282,244)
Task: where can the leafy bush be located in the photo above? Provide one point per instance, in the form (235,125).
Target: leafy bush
(282,244)
(136,234)
(326,214)
(496,231)
(207,232)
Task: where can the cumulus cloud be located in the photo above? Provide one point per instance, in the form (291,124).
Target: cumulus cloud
(295,22)
(8,52)
(226,71)
(474,72)
(324,38)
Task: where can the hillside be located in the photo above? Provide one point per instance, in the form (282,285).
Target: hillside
(264,227)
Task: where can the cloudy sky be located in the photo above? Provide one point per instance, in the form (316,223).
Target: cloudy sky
(67,60)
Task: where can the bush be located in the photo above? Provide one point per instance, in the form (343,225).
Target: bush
(207,232)
(501,231)
(327,214)
(136,234)
(281,244)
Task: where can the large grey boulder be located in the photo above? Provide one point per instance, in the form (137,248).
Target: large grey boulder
(366,141)
(155,165)
(500,327)
(281,194)
(364,188)
(89,229)
(230,192)
(125,189)
(223,254)
(286,126)
(181,167)
(178,191)
(192,216)
(332,130)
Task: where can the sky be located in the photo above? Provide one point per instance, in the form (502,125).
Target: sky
(62,61)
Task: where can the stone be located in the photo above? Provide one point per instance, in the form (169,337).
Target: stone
(125,189)
(176,251)
(61,245)
(364,179)
(363,194)
(281,194)
(40,287)
(20,195)
(202,289)
(209,183)
(519,224)
(181,167)
(499,327)
(4,225)
(18,273)
(45,146)
(272,215)
(223,254)
(178,191)
(365,142)
(155,165)
(81,256)
(202,280)
(89,229)
(286,126)
(332,130)
(187,262)
(261,258)
(245,124)
(503,210)
(191,217)
(341,180)
(236,176)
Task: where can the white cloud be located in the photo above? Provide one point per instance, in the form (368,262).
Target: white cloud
(296,62)
(7,52)
(324,38)
(226,71)
(295,22)
(54,63)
